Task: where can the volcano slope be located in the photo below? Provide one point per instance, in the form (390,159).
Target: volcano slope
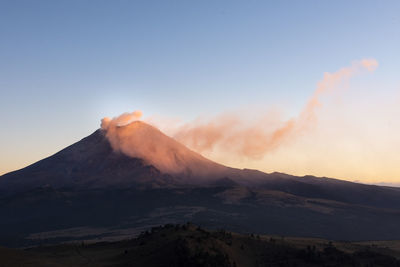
(93,191)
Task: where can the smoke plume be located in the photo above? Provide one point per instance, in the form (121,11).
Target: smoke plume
(233,134)
(121,120)
(230,133)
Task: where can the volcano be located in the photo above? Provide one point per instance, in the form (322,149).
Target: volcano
(112,184)
(153,159)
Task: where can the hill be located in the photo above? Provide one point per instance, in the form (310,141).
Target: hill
(190,245)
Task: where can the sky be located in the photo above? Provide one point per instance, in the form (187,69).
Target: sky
(64,65)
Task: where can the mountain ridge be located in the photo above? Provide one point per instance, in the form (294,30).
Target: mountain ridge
(92,162)
(91,184)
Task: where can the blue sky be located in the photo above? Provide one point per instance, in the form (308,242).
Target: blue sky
(66,64)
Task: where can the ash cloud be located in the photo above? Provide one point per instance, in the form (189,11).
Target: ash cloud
(121,120)
(233,134)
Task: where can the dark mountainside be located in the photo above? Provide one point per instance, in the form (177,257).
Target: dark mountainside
(90,192)
(89,163)
(189,245)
